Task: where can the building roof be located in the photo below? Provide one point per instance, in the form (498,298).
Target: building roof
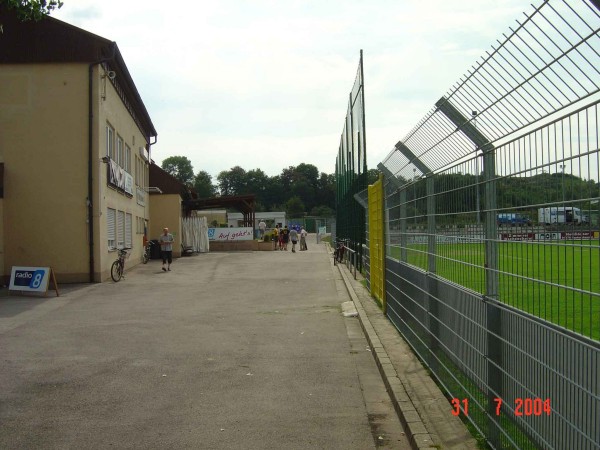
(53,41)
(167,183)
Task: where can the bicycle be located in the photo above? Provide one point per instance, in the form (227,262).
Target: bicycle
(147,252)
(118,267)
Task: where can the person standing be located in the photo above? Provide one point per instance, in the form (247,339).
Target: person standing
(294,239)
(166,248)
(285,237)
(275,237)
(303,235)
(262,226)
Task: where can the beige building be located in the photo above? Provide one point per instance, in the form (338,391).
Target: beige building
(214,217)
(169,204)
(75,142)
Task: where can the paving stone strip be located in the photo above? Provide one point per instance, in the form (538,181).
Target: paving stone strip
(421,406)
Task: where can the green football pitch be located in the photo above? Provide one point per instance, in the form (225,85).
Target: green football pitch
(558,281)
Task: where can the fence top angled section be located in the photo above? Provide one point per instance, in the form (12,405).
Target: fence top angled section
(547,64)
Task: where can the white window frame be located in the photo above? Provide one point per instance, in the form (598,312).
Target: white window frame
(110,141)
(138,170)
(120,157)
(127,161)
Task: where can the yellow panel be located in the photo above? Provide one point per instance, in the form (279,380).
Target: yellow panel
(376,242)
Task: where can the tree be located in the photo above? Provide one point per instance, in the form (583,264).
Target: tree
(294,207)
(274,194)
(180,167)
(307,172)
(305,191)
(203,185)
(256,183)
(322,211)
(372,176)
(326,190)
(32,9)
(233,181)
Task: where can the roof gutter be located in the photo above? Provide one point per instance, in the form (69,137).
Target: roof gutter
(91,157)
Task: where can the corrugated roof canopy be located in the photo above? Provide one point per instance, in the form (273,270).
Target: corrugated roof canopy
(245,204)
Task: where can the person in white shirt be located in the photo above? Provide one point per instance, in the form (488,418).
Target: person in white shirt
(166,248)
(294,239)
(303,235)
(262,226)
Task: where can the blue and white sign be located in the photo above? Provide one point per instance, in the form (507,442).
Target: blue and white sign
(30,279)
(230,234)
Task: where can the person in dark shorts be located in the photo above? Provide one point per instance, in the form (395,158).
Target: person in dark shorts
(166,248)
(285,237)
(294,239)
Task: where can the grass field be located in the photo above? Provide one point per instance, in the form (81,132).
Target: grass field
(558,281)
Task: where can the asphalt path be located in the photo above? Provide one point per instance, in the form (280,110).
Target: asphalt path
(244,350)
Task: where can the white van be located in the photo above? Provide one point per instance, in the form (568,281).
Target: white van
(559,214)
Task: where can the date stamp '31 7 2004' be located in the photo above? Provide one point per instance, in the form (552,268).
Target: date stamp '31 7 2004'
(522,406)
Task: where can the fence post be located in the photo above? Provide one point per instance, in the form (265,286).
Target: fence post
(432,283)
(493,312)
(493,315)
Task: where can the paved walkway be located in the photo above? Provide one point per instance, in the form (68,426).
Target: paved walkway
(244,350)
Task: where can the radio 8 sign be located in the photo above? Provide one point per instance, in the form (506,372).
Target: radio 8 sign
(29,279)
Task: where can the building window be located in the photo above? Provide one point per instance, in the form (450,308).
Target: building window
(127,161)
(110,142)
(120,229)
(128,238)
(120,158)
(111,228)
(136,175)
(140,225)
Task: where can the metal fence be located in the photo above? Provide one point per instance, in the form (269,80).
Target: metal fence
(351,169)
(492,262)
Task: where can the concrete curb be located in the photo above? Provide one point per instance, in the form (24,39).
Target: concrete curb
(422,407)
(403,404)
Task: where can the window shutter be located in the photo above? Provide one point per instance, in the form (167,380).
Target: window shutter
(128,231)
(120,228)
(110,231)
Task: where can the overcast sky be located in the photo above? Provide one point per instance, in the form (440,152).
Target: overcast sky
(265,83)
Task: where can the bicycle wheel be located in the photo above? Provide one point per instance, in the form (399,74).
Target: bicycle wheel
(146,256)
(116,271)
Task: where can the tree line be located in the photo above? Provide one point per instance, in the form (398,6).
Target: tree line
(457,193)
(297,190)
(302,189)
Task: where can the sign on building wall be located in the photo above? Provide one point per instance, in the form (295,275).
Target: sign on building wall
(230,234)
(31,279)
(140,196)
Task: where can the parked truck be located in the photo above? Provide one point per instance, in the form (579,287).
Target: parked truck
(560,214)
(513,220)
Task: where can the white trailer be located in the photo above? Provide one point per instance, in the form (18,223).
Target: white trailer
(559,214)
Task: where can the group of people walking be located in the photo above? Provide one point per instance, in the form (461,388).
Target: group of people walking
(281,236)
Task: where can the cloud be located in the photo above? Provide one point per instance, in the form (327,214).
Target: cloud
(235,83)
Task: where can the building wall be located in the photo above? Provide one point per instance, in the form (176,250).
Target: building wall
(44,147)
(111,111)
(166,212)
(2,280)
(43,142)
